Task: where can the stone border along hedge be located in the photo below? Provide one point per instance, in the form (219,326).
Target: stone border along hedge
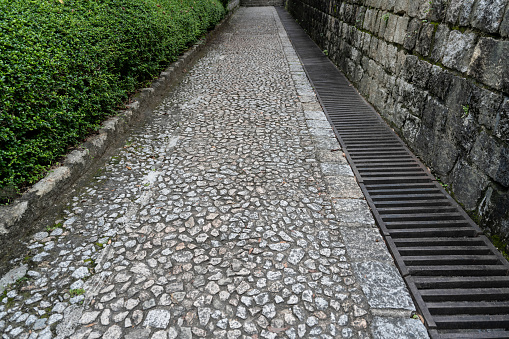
(17,218)
(438,72)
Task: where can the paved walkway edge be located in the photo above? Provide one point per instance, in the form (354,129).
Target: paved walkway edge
(390,302)
(16,218)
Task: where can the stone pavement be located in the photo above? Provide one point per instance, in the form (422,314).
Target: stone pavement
(231,214)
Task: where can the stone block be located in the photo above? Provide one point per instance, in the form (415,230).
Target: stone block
(439,82)
(412,98)
(353,212)
(407,72)
(359,16)
(368,19)
(388,5)
(460,91)
(366,43)
(490,63)
(414,28)
(458,12)
(434,114)
(343,187)
(413,8)
(383,286)
(445,155)
(502,175)
(468,184)
(504,26)
(411,128)
(488,14)
(502,121)
(485,105)
(425,144)
(364,244)
(401,6)
(389,328)
(438,10)
(459,50)
(401,29)
(422,74)
(440,42)
(382,24)
(400,115)
(373,49)
(391,28)
(425,39)
(498,211)
(491,158)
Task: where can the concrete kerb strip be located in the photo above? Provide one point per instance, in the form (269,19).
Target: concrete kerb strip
(25,210)
(390,302)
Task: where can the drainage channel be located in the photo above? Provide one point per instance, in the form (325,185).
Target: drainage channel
(457,278)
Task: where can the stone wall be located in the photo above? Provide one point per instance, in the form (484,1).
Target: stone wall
(257,3)
(438,72)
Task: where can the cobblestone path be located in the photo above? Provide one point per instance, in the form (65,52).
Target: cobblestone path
(231,214)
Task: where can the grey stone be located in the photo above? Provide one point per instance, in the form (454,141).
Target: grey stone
(80,273)
(388,328)
(488,14)
(113,332)
(158,318)
(468,184)
(425,39)
(343,187)
(353,212)
(89,317)
(139,334)
(458,50)
(332,169)
(504,27)
(12,276)
(365,243)
(383,286)
(489,63)
(39,324)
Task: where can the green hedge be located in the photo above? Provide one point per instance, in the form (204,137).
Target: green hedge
(67,65)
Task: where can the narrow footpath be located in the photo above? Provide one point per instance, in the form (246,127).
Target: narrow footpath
(232,213)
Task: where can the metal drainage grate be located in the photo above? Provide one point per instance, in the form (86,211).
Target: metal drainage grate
(458,279)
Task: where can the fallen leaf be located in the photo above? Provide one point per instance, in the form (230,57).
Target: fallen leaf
(129,168)
(251,250)
(61,1)
(90,325)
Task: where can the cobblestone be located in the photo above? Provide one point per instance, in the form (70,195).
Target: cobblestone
(231,213)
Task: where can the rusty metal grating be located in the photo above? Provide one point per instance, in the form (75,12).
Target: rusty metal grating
(457,278)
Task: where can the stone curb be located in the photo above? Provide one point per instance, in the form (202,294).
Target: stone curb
(16,218)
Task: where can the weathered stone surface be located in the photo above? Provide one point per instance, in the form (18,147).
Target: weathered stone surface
(386,328)
(502,121)
(504,26)
(12,276)
(353,212)
(158,318)
(365,243)
(458,50)
(425,39)
(468,184)
(490,64)
(343,187)
(487,14)
(383,285)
